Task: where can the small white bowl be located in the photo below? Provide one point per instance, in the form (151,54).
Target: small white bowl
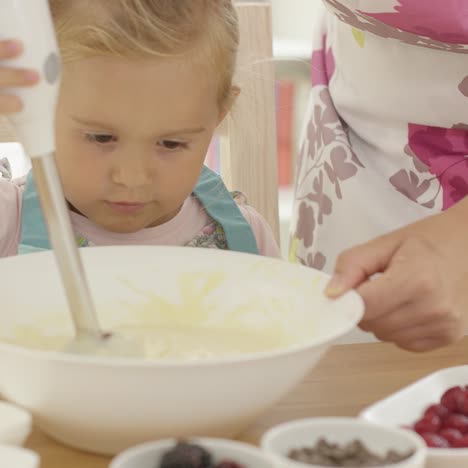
(16,457)
(15,424)
(149,455)
(407,406)
(277,442)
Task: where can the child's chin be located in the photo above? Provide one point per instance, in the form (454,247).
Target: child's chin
(123,227)
(126,229)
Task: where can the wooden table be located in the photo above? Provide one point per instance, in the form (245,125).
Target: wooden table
(349,378)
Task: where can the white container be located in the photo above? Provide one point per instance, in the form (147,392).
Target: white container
(105,405)
(149,455)
(407,406)
(15,457)
(15,424)
(278,441)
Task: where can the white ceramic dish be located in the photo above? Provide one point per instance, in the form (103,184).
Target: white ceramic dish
(16,457)
(405,407)
(278,441)
(149,455)
(15,424)
(108,404)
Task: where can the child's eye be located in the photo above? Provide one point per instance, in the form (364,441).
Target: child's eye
(100,138)
(172,145)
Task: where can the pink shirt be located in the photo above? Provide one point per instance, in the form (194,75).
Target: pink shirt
(186,225)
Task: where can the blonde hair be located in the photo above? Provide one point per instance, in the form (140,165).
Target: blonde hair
(205,32)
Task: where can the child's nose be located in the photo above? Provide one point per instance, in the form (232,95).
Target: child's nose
(132,171)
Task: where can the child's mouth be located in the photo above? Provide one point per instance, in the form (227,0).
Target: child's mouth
(126,207)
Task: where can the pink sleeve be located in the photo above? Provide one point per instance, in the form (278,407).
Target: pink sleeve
(266,242)
(11,194)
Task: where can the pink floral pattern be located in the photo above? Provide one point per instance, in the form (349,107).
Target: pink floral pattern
(439,152)
(441,20)
(445,152)
(372,23)
(322,65)
(326,161)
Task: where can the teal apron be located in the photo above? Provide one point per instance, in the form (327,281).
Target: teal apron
(210,191)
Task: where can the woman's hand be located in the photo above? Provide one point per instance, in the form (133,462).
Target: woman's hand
(419,296)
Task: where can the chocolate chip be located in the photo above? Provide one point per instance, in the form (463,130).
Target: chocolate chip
(355,453)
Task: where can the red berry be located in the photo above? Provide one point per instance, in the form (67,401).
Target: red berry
(461,443)
(437,410)
(456,421)
(428,424)
(434,440)
(451,435)
(228,464)
(453,399)
(463,405)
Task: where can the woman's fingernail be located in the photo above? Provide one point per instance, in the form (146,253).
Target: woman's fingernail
(13,47)
(335,287)
(31,76)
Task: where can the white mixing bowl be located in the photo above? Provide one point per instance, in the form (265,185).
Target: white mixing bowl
(105,404)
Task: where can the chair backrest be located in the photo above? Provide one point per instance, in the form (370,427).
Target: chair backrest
(248,136)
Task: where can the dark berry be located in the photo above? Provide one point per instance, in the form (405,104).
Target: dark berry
(186,455)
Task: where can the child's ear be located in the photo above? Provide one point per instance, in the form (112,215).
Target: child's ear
(229,102)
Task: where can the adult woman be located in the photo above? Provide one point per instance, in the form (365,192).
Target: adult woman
(384,165)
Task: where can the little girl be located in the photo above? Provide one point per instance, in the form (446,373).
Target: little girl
(145,84)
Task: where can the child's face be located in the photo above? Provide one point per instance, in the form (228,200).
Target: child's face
(132,138)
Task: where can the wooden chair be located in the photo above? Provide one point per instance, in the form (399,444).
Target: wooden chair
(248,136)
